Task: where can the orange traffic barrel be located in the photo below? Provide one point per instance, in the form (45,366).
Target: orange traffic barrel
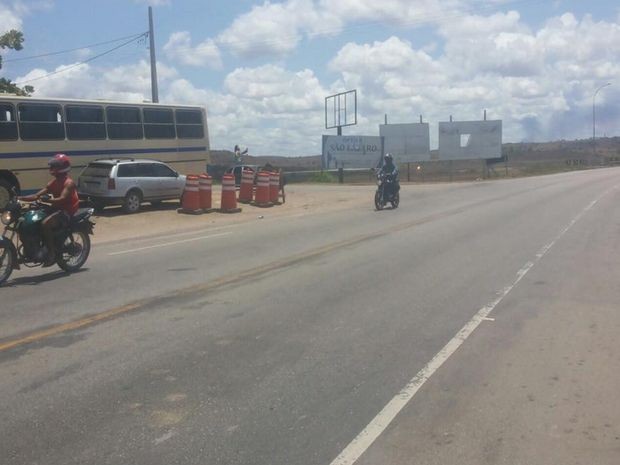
(190,202)
(247,186)
(274,187)
(229,197)
(262,189)
(204,189)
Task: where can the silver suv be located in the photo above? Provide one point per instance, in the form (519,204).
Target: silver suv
(129,183)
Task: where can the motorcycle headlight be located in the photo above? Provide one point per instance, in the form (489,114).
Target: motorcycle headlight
(6,217)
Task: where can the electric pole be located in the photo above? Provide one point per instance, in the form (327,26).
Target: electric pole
(154,91)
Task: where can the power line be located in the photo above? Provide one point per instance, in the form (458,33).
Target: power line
(144,34)
(60,52)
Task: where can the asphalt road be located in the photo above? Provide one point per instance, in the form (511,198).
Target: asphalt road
(477,323)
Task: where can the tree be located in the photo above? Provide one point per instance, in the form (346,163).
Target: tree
(13,40)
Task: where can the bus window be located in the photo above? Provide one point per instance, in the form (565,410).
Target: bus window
(8,124)
(85,122)
(38,121)
(124,123)
(189,124)
(158,123)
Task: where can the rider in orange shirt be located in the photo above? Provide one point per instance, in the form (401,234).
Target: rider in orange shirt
(64,200)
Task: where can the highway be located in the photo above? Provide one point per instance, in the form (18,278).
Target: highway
(477,323)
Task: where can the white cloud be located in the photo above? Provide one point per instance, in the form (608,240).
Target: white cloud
(269,29)
(9,19)
(154,2)
(276,29)
(539,82)
(130,83)
(179,48)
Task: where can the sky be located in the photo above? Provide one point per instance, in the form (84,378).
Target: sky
(263,69)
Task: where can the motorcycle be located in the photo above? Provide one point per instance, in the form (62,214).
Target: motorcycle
(387,191)
(21,242)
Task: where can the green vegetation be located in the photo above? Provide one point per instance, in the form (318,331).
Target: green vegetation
(323,176)
(12,40)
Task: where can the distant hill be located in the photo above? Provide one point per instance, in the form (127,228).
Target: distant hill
(606,147)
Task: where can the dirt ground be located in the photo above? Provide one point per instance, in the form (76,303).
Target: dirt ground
(115,225)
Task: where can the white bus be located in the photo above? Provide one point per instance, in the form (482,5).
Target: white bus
(32,130)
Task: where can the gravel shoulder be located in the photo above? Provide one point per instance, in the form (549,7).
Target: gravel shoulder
(114,225)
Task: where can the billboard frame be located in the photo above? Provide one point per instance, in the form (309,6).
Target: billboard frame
(340,110)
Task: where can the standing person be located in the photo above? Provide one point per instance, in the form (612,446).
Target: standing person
(64,201)
(282,184)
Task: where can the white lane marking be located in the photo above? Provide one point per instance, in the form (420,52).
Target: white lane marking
(379,423)
(165,437)
(166,244)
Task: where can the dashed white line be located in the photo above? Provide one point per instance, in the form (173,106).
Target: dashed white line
(166,244)
(379,423)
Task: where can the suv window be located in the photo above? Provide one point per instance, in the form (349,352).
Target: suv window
(97,170)
(162,171)
(127,170)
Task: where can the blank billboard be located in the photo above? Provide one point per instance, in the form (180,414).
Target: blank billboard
(462,140)
(407,142)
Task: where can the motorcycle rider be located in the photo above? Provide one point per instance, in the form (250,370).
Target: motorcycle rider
(390,169)
(64,201)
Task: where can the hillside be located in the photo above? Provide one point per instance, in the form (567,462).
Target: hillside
(607,148)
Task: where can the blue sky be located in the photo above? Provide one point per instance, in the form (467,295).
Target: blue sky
(263,69)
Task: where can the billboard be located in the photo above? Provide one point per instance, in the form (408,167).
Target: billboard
(352,151)
(407,142)
(462,140)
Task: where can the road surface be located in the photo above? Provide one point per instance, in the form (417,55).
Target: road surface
(477,323)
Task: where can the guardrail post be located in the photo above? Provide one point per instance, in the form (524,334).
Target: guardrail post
(341,175)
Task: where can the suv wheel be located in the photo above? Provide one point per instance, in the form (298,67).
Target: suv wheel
(132,201)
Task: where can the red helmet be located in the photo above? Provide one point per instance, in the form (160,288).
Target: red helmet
(59,164)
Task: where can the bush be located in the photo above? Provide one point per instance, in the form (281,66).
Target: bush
(323,177)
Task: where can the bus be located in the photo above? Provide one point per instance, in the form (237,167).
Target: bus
(32,130)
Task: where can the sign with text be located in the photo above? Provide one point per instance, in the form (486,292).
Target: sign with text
(352,151)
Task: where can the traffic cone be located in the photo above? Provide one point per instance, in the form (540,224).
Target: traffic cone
(205,190)
(262,190)
(190,202)
(247,186)
(229,197)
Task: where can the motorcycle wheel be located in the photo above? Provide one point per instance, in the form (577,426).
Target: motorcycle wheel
(6,263)
(378,201)
(395,200)
(74,251)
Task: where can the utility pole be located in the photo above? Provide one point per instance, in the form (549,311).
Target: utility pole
(154,90)
(594,117)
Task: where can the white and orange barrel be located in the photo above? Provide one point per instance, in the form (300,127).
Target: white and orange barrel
(262,189)
(191,198)
(229,197)
(247,186)
(205,184)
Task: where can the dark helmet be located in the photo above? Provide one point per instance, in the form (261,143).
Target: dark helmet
(388,158)
(59,164)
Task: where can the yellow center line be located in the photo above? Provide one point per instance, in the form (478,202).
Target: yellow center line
(227,280)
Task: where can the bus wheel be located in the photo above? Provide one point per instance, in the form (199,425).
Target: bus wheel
(5,193)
